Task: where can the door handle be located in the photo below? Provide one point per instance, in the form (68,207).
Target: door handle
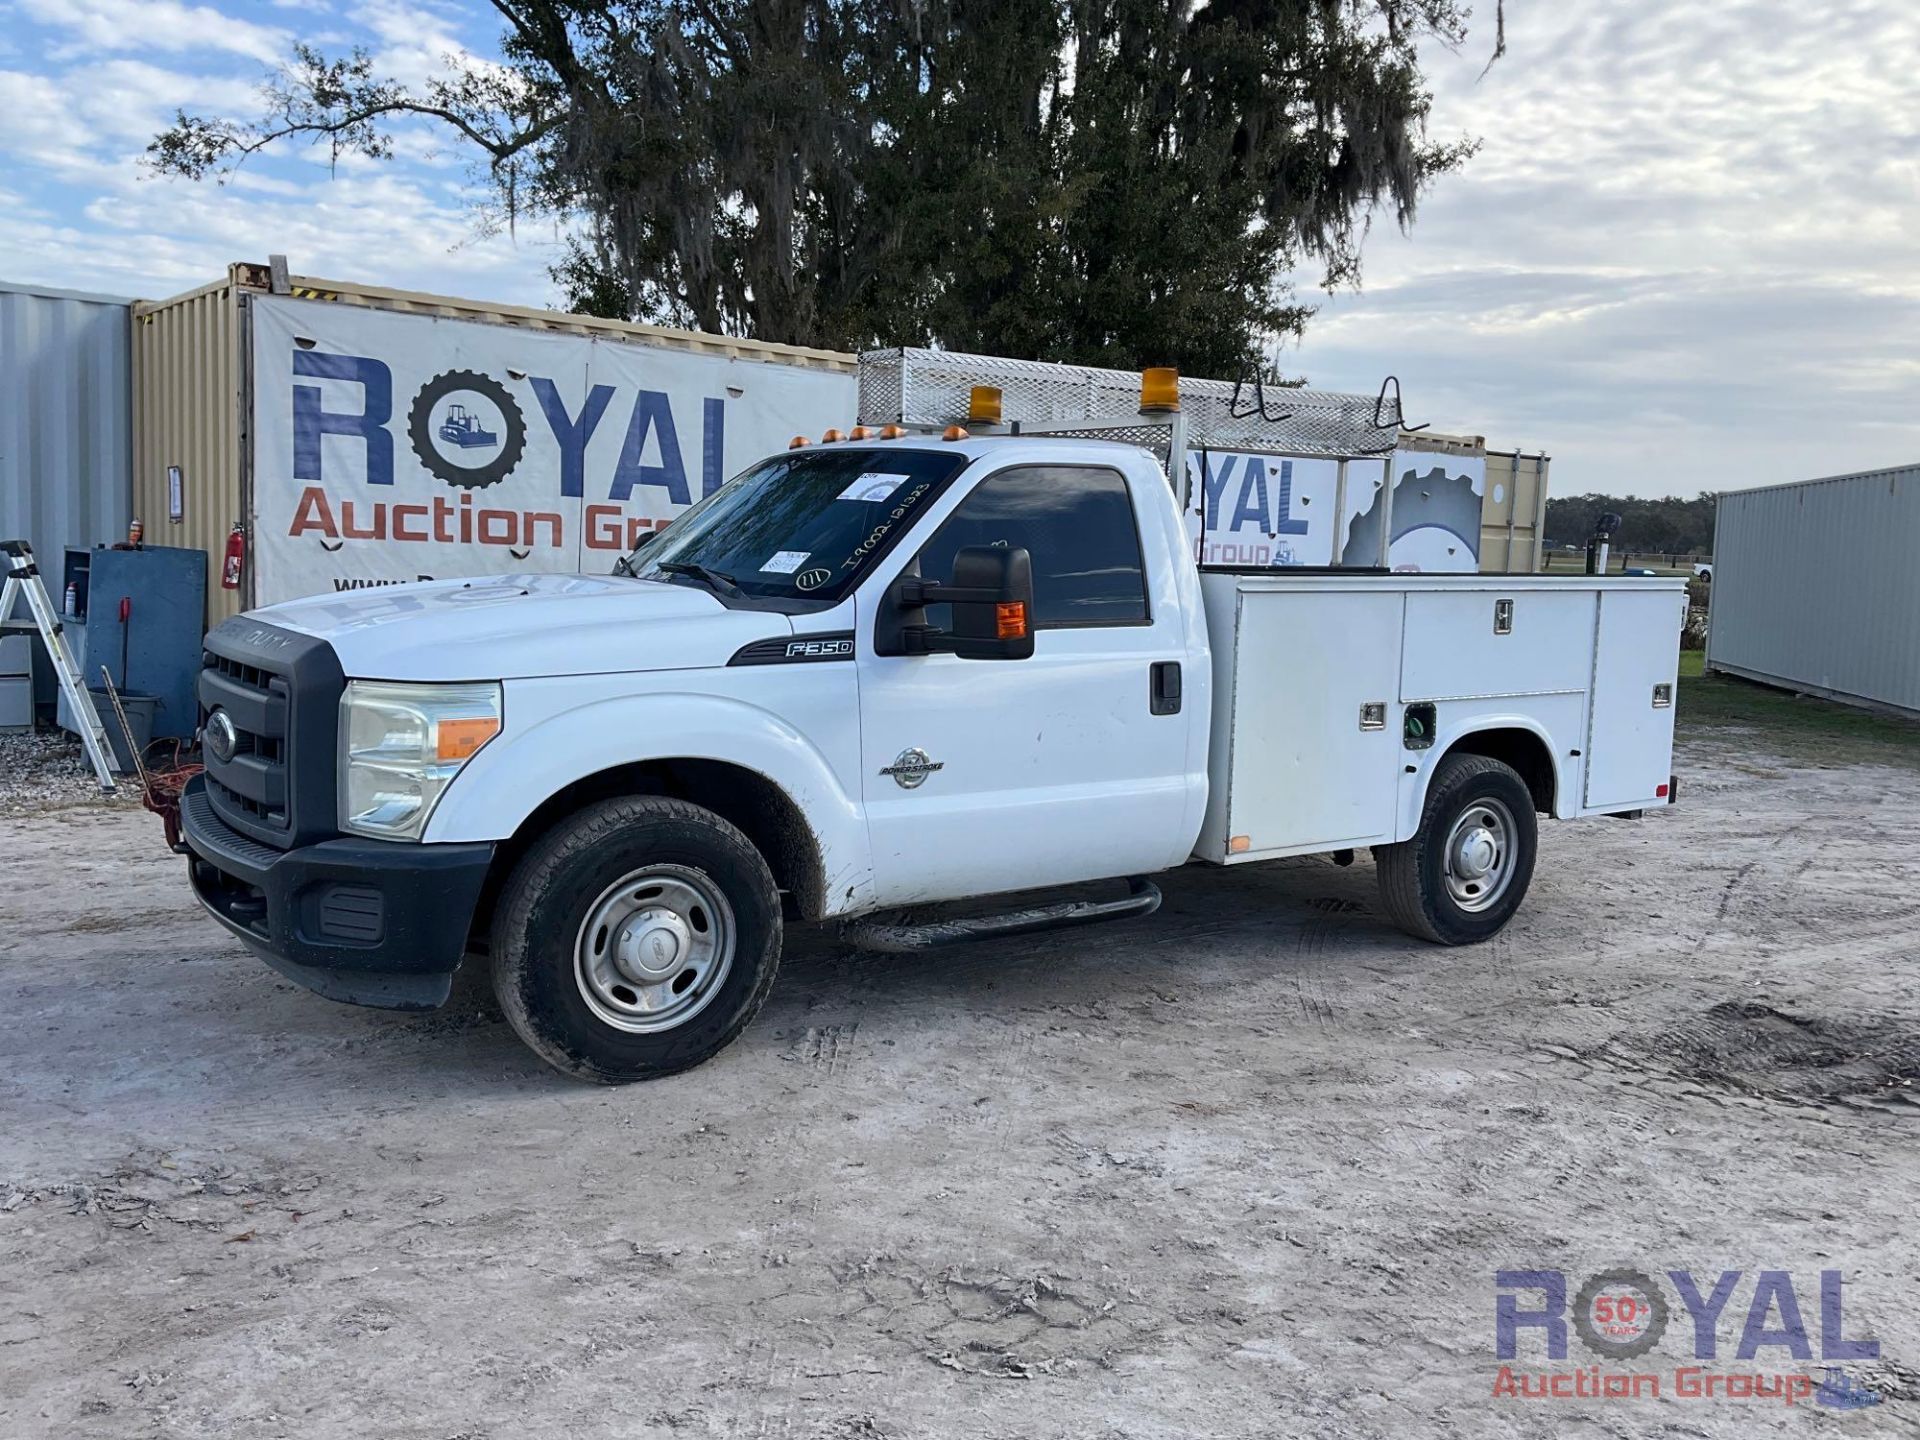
(1163,688)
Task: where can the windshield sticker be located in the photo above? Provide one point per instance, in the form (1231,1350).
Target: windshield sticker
(785,563)
(813,579)
(873,487)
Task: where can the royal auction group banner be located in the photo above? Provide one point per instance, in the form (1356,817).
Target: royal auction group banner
(390,447)
(1275,511)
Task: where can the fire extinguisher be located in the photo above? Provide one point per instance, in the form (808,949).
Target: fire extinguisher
(236,558)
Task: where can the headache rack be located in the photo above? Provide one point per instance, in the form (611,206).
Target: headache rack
(929,389)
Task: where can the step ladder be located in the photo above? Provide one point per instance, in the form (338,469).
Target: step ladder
(23,578)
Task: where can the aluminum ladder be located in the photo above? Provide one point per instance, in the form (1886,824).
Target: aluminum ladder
(23,578)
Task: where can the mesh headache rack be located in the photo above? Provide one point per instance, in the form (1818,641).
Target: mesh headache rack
(933,387)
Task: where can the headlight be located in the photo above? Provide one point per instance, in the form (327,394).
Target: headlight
(401,745)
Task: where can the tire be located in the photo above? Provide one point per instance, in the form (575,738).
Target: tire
(667,885)
(1414,875)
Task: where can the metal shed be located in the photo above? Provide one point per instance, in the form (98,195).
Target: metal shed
(64,447)
(1815,587)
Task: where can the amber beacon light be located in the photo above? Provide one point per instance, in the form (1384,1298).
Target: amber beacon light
(983,404)
(1159,388)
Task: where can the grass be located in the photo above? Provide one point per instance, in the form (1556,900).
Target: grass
(1821,731)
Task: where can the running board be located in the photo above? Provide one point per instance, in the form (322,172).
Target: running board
(1143,898)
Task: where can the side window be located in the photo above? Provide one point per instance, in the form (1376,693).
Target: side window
(1078,525)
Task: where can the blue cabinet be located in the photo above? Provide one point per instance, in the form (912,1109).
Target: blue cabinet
(155,649)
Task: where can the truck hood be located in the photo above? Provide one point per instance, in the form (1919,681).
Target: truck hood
(509,627)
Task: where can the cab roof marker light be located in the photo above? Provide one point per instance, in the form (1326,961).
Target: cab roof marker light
(798,442)
(829,437)
(860,432)
(893,432)
(954,432)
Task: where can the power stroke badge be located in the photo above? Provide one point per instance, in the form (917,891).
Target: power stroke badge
(910,768)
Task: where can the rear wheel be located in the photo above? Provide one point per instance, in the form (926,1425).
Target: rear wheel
(1466,870)
(636,938)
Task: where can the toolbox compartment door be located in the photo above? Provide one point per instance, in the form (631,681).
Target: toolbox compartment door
(1630,730)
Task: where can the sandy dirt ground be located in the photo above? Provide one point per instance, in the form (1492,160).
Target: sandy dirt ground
(1246,1168)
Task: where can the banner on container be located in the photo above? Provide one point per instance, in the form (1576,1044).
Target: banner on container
(390,446)
(1273,511)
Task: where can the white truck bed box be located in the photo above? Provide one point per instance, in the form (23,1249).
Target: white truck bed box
(1294,769)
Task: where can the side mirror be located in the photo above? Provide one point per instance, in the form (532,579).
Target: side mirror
(992,598)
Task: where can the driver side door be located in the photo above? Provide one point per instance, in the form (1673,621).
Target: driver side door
(983,776)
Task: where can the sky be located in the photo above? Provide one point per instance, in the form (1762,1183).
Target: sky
(1685,258)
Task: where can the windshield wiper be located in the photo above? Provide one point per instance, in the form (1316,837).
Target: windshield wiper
(715,579)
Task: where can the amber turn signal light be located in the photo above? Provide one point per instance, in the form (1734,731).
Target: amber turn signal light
(457,739)
(1010,619)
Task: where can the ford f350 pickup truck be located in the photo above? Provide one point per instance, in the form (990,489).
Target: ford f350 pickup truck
(876,674)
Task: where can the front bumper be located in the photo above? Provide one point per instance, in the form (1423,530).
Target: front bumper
(368,922)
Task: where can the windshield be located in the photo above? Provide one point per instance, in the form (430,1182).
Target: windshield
(803,526)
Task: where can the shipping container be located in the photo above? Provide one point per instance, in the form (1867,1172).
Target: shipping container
(269,395)
(1514,521)
(64,448)
(1815,587)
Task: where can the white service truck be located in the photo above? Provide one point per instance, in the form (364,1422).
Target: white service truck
(875,674)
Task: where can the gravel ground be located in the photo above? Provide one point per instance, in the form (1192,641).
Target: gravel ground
(1244,1168)
(42,771)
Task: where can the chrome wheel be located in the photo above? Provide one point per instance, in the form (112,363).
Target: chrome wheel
(655,948)
(1479,855)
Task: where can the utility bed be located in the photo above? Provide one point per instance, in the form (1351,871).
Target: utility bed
(1333,692)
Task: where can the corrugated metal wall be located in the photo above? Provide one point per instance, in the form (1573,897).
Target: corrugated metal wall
(186,412)
(190,385)
(1816,586)
(64,422)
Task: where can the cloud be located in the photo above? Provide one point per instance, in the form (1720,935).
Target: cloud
(1683,258)
(148,26)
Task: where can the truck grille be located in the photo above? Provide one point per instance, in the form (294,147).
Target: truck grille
(280,693)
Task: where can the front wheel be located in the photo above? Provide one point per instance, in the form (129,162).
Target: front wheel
(636,938)
(1467,868)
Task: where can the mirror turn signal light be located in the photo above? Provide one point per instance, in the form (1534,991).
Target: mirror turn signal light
(1159,388)
(1010,619)
(983,404)
(954,432)
(798,442)
(458,739)
(829,436)
(893,432)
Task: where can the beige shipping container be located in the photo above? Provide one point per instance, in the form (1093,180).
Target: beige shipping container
(192,394)
(1513,509)
(1513,517)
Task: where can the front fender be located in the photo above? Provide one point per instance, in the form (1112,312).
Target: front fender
(543,751)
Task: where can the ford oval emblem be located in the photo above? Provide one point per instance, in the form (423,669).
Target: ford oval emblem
(219,736)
